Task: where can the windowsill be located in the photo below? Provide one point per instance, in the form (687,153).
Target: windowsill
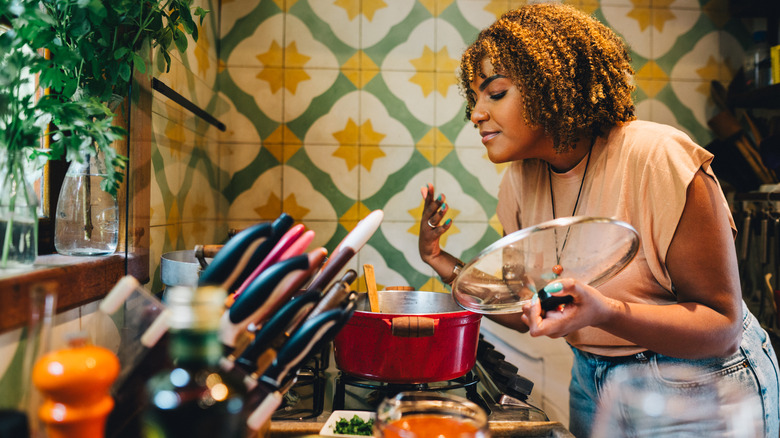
(77,281)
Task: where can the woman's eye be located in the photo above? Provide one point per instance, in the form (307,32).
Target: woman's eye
(498,96)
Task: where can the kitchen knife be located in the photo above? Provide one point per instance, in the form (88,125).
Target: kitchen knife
(232,255)
(278,228)
(335,295)
(288,287)
(237,318)
(299,246)
(348,247)
(275,328)
(273,256)
(282,374)
(310,337)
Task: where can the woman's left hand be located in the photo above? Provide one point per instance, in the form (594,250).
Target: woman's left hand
(587,308)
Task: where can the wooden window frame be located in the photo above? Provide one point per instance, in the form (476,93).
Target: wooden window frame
(81,280)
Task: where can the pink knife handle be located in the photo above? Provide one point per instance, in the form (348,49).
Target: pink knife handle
(287,240)
(299,246)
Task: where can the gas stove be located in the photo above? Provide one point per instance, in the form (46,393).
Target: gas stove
(493,383)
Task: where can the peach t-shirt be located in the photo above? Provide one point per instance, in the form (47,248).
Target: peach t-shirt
(638,174)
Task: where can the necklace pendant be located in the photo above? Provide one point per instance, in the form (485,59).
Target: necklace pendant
(557,269)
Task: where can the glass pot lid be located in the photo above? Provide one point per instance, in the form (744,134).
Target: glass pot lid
(506,274)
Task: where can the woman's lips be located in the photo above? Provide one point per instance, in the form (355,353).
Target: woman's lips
(487,136)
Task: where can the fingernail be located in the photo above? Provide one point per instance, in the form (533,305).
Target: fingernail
(430,187)
(424,192)
(438,199)
(443,208)
(447,222)
(553,287)
(534,299)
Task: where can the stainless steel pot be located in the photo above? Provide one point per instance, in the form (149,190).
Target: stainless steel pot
(180,268)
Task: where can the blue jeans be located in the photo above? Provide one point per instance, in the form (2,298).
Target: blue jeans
(754,367)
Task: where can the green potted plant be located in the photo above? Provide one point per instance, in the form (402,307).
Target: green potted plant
(94,48)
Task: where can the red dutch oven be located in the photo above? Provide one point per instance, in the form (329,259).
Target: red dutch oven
(418,337)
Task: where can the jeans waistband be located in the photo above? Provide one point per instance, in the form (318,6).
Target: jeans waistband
(642,356)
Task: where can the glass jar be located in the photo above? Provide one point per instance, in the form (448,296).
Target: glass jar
(18,214)
(424,414)
(87,218)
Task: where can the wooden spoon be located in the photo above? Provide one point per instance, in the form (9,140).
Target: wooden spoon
(373,295)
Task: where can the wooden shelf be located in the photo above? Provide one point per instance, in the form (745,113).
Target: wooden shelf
(76,280)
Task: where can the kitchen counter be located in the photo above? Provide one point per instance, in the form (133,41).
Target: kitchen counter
(289,429)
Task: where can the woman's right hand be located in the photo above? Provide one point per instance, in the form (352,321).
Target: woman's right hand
(430,228)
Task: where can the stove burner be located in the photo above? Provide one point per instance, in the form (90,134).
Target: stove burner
(381,390)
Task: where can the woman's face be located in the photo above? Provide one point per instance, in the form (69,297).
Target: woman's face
(498,114)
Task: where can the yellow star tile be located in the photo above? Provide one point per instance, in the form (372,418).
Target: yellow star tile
(368,154)
(446,63)
(221,66)
(368,135)
(642,16)
(426,61)
(293,77)
(351,7)
(711,69)
(661,16)
(371,6)
(436,7)
(273,57)
(272,207)
(290,206)
(274,77)
(293,58)
(496,7)
(349,154)
(348,135)
(426,81)
(444,81)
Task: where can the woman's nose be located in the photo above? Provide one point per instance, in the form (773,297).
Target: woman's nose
(478,115)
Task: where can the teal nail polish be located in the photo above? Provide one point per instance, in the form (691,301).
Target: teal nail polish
(534,299)
(447,222)
(438,198)
(443,207)
(553,287)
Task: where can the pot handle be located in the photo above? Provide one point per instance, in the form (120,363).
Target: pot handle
(413,326)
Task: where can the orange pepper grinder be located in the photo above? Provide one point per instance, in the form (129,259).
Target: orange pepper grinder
(75,384)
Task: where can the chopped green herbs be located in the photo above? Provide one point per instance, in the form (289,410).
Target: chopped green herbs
(355,426)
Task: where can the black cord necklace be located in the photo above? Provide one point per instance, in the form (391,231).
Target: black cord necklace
(558,269)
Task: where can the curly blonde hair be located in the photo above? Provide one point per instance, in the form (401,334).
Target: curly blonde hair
(575,73)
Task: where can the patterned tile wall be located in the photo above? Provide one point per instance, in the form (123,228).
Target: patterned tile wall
(339,107)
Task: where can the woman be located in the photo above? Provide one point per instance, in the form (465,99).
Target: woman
(549,89)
